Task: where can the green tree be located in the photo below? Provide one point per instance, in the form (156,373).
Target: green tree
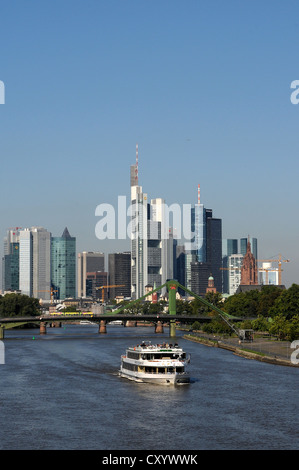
(267,298)
(294,328)
(287,303)
(217,326)
(280,327)
(196,325)
(12,305)
(135,308)
(260,324)
(183,307)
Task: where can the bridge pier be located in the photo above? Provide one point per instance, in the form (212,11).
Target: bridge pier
(102,328)
(172,329)
(131,323)
(42,328)
(159,327)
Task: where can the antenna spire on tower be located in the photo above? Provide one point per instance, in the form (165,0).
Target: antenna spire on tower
(198,194)
(136,168)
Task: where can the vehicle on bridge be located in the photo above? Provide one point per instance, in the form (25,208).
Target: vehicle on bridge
(161,364)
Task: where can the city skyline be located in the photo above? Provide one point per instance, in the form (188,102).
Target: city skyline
(207,98)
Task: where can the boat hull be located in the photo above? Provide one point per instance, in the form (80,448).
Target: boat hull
(160,379)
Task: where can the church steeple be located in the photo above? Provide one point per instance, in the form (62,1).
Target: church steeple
(249,268)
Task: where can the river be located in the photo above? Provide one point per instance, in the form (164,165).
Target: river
(62,391)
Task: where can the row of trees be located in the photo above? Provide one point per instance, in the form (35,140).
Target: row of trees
(272,309)
(12,305)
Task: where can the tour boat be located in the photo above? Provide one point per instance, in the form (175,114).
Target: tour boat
(162,364)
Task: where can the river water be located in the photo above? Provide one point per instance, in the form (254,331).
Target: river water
(62,391)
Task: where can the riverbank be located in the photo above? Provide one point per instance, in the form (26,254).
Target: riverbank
(258,350)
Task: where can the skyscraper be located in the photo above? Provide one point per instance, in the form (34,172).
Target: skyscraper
(164,241)
(200,273)
(94,280)
(139,241)
(35,262)
(119,274)
(151,239)
(235,262)
(253,245)
(26,262)
(10,260)
(199,228)
(88,262)
(229,247)
(63,265)
(207,249)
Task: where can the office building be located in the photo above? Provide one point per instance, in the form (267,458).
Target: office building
(268,275)
(206,247)
(214,250)
(10,261)
(190,258)
(35,262)
(200,273)
(63,265)
(94,282)
(138,241)
(119,267)
(253,246)
(180,266)
(151,239)
(235,262)
(88,262)
(229,247)
(199,228)
(161,240)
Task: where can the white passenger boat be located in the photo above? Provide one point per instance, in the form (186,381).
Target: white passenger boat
(161,364)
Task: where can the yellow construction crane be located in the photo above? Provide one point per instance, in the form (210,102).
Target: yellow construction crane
(52,293)
(107,287)
(279,261)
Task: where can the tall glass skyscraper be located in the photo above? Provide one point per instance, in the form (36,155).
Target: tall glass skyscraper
(199,228)
(229,247)
(253,244)
(206,247)
(35,262)
(63,265)
(10,260)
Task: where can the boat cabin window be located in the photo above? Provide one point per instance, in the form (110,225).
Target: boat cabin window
(133,355)
(149,356)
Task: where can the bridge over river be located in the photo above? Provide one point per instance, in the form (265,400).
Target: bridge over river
(158,320)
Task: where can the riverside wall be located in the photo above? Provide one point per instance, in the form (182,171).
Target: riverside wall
(239,351)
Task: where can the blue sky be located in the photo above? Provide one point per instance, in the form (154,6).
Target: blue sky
(202,86)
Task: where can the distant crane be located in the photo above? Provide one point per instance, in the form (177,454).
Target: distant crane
(52,293)
(107,287)
(279,261)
